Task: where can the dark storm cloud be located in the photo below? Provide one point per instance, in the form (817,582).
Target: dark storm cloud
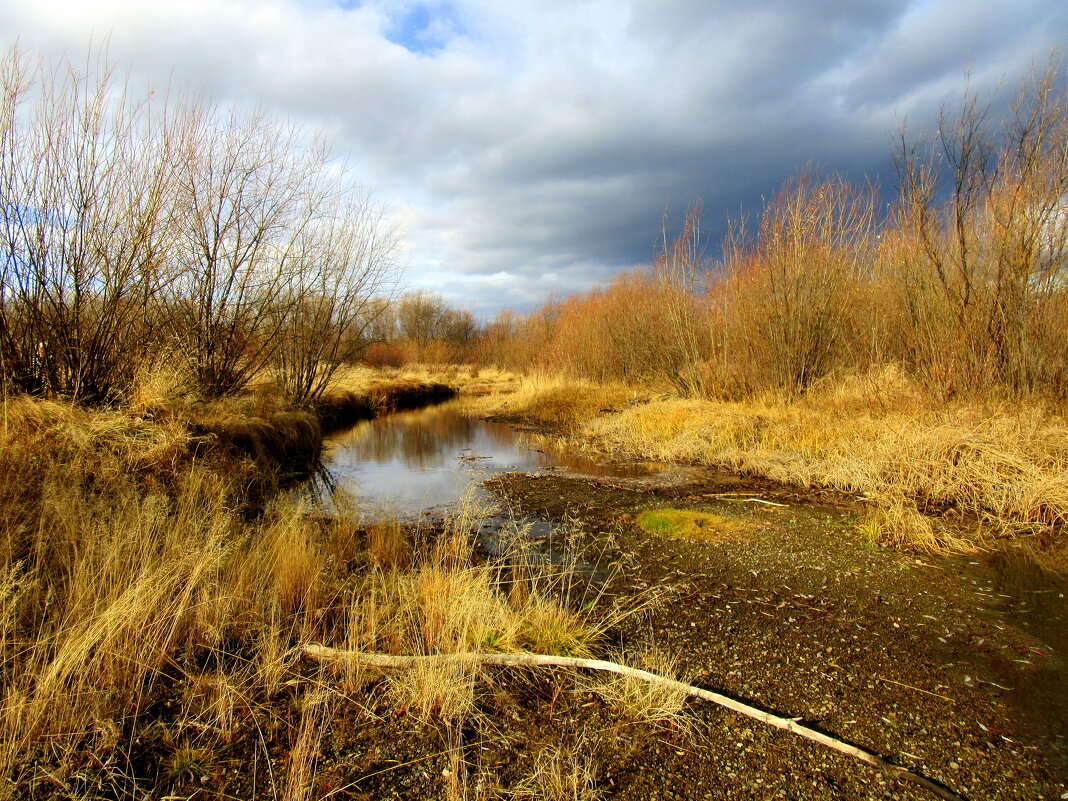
(533,147)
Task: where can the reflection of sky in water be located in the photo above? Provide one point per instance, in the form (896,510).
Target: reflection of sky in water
(411,460)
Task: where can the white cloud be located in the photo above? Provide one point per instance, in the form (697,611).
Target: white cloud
(517,140)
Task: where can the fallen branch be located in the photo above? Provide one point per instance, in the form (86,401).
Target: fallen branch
(323,653)
(756,500)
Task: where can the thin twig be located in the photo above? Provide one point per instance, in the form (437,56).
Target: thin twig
(917,689)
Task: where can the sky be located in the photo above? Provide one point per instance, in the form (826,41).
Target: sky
(532,147)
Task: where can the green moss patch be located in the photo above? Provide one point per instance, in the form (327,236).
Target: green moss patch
(687,524)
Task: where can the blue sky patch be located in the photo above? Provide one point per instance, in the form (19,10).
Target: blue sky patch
(425,27)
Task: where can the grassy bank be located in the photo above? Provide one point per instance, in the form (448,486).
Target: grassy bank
(276,441)
(150,625)
(916,465)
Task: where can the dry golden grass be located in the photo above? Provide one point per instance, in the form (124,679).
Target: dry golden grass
(560,773)
(872,436)
(435,692)
(130,570)
(387,544)
(315,714)
(468,379)
(640,700)
(556,401)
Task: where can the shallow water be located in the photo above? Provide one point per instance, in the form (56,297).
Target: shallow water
(410,463)
(1031,595)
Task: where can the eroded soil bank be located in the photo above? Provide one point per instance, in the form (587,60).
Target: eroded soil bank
(954,667)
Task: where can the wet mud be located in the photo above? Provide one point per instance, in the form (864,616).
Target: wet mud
(954,667)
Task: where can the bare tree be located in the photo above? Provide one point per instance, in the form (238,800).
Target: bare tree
(88,208)
(128,221)
(420,317)
(679,267)
(339,264)
(983,271)
(249,190)
(792,292)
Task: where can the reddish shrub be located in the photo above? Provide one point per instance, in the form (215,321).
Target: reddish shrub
(382,355)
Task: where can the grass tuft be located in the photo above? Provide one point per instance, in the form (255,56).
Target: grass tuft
(687,524)
(644,701)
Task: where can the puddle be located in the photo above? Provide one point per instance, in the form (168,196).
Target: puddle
(1030,595)
(411,463)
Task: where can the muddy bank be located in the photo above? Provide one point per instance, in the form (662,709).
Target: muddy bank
(953,667)
(342,409)
(286,445)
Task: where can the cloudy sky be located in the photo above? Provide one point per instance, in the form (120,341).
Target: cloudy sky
(531,146)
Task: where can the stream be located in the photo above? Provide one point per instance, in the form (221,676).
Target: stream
(410,464)
(418,465)
(975,646)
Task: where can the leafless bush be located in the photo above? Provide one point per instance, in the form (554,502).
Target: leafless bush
(433,331)
(981,274)
(790,295)
(279,258)
(680,266)
(88,205)
(133,224)
(338,263)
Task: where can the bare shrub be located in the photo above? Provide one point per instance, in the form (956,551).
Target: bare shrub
(790,294)
(253,193)
(339,261)
(134,226)
(87,208)
(679,267)
(981,274)
(430,331)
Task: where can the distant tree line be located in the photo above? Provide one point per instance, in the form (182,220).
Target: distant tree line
(420,327)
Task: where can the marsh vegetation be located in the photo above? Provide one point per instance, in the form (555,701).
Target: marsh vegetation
(190,297)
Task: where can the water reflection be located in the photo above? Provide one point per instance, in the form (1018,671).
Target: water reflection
(1032,595)
(410,461)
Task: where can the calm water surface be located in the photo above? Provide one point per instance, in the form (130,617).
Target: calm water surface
(410,462)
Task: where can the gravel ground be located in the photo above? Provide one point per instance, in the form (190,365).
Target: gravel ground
(952,667)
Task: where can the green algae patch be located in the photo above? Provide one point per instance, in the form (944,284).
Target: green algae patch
(687,524)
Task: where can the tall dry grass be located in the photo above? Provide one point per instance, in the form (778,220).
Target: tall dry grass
(143,611)
(877,436)
(127,564)
(556,400)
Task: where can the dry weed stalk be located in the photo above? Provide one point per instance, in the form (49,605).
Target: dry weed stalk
(561,773)
(315,714)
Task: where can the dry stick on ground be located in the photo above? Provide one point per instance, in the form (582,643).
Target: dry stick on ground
(322,652)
